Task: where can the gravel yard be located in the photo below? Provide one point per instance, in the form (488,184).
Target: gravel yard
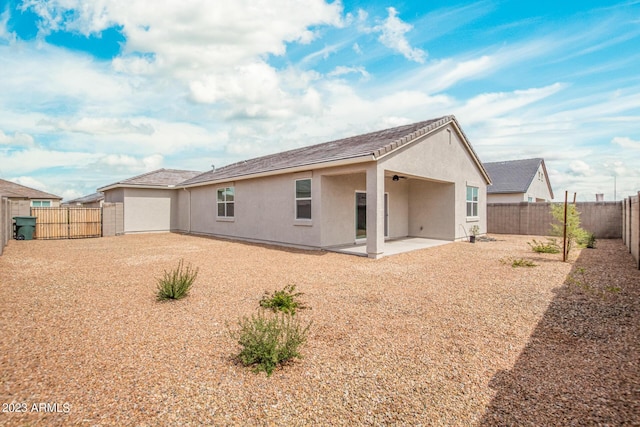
(451,335)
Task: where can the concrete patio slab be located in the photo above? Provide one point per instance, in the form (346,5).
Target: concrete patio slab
(391,247)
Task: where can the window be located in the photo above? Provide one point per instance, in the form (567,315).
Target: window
(472,201)
(303,198)
(226,201)
(41,203)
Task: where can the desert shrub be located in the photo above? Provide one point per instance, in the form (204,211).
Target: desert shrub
(176,283)
(285,300)
(268,340)
(550,247)
(522,263)
(590,241)
(575,234)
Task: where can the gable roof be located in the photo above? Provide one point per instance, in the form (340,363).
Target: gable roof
(366,147)
(95,197)
(11,189)
(160,178)
(514,176)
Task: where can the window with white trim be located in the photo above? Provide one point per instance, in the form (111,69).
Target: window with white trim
(41,203)
(226,202)
(472,201)
(303,198)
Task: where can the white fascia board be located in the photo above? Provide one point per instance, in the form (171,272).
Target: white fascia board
(301,168)
(154,187)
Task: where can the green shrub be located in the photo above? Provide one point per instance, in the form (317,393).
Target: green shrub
(269,340)
(590,241)
(575,234)
(522,263)
(176,283)
(550,247)
(285,300)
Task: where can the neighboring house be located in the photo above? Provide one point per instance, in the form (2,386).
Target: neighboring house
(418,180)
(35,198)
(150,200)
(94,200)
(518,181)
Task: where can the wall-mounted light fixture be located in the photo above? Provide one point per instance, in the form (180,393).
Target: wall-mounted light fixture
(396,178)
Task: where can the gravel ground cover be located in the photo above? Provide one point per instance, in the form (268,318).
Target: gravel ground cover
(451,335)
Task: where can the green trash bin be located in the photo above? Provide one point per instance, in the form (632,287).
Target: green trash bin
(25,227)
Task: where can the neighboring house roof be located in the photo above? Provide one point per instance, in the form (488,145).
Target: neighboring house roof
(11,189)
(370,146)
(514,176)
(91,198)
(161,178)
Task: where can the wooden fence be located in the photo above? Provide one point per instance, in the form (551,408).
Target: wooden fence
(631,226)
(67,223)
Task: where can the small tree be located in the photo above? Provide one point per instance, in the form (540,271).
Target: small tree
(575,234)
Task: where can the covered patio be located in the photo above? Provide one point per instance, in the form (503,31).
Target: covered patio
(392,247)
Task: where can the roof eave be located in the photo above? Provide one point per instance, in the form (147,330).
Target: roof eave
(294,169)
(423,133)
(143,186)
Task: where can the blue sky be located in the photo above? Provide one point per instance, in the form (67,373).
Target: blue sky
(94,92)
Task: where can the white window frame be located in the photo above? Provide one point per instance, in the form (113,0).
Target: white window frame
(225,202)
(297,199)
(474,203)
(41,203)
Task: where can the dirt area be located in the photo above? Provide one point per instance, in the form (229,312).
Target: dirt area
(451,335)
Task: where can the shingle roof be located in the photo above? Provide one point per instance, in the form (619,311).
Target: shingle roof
(87,199)
(158,178)
(11,189)
(372,144)
(513,176)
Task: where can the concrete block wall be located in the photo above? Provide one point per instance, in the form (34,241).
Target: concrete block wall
(5,224)
(631,226)
(112,219)
(604,219)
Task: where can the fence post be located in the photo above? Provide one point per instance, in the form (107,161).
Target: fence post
(564,226)
(638,227)
(625,229)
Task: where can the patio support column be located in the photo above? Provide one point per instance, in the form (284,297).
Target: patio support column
(375,211)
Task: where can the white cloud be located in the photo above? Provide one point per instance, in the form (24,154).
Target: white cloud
(580,168)
(342,70)
(393,31)
(626,142)
(18,139)
(38,159)
(130,163)
(492,105)
(4,32)
(30,182)
(99,126)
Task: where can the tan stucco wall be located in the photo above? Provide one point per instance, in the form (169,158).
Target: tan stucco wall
(338,205)
(114,196)
(418,206)
(147,210)
(432,210)
(264,210)
(506,198)
(180,211)
(538,188)
(443,157)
